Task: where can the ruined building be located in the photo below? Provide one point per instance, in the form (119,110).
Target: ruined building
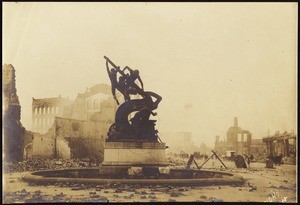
(11,114)
(281,144)
(96,103)
(240,141)
(44,110)
(67,138)
(71,129)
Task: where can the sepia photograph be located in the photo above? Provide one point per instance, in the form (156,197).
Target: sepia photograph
(149,102)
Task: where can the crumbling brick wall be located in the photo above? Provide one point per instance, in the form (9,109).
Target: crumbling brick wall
(12,127)
(85,138)
(62,148)
(68,138)
(38,145)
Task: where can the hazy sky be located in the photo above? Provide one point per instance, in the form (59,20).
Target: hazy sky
(209,61)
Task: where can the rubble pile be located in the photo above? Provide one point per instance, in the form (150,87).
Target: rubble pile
(289,160)
(45,164)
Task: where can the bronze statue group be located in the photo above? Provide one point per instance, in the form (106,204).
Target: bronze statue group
(139,127)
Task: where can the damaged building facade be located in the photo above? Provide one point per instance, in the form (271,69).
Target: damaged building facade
(13,131)
(281,144)
(45,110)
(239,141)
(71,129)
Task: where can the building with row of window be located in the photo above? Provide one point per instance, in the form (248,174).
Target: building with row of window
(67,128)
(96,103)
(44,110)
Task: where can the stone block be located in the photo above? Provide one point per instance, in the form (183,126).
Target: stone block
(134,153)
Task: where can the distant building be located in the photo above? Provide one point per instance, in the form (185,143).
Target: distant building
(240,141)
(95,103)
(179,141)
(204,149)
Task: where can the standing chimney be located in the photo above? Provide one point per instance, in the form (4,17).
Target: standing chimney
(235,121)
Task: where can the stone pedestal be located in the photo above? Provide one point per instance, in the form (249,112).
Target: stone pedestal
(144,154)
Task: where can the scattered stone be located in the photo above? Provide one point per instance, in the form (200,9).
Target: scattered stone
(76,188)
(58,163)
(252,187)
(34,200)
(174,194)
(143,193)
(23,191)
(58,197)
(106,192)
(118,191)
(284,187)
(37,193)
(181,189)
(213,199)
(143,197)
(269,195)
(95,196)
(103,199)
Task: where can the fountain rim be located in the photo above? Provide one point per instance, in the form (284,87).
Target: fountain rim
(228,180)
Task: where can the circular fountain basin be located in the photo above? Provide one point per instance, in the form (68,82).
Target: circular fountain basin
(91,175)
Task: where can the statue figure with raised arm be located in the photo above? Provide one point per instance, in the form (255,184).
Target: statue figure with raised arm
(139,127)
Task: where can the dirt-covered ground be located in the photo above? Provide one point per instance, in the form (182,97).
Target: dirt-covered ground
(261,185)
